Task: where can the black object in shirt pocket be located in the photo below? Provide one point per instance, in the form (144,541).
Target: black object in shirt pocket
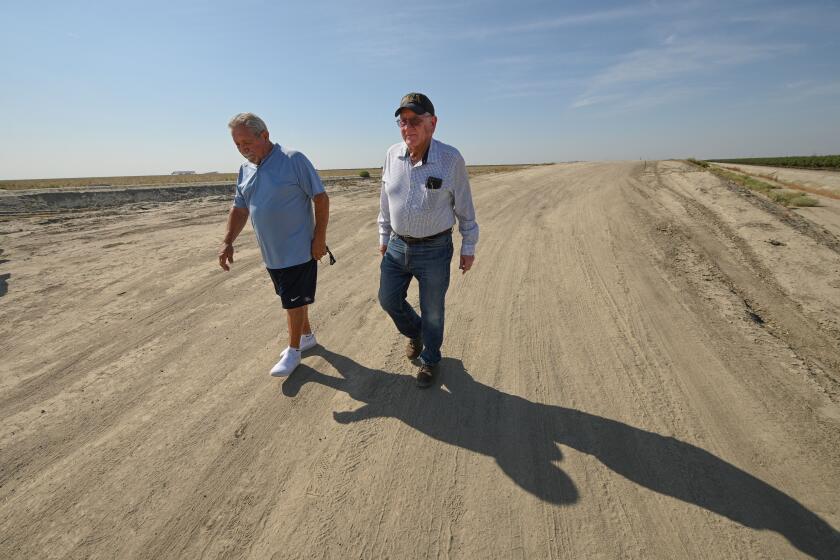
(433,183)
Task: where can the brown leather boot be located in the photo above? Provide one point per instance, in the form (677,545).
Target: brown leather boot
(413,348)
(425,376)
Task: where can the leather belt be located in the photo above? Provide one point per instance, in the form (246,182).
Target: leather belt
(413,240)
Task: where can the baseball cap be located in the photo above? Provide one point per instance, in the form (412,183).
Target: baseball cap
(417,102)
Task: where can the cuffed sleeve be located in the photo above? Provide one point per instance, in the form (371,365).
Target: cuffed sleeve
(384,219)
(464,209)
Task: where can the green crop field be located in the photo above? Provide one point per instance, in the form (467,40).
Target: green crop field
(801,162)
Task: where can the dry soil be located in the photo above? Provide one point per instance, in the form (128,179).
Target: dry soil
(644,363)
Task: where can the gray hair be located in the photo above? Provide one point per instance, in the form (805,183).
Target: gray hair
(250,121)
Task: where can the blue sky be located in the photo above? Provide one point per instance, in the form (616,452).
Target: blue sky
(128,88)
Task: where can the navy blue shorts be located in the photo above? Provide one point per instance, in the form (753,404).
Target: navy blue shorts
(295,284)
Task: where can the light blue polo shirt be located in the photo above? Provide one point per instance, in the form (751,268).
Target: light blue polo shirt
(278,194)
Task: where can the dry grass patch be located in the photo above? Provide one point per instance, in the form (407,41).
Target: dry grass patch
(792,185)
(773,192)
(791,198)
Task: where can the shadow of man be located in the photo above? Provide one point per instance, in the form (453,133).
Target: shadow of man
(4,286)
(522,437)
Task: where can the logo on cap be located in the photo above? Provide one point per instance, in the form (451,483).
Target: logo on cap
(417,102)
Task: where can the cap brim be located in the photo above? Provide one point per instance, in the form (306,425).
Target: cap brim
(413,106)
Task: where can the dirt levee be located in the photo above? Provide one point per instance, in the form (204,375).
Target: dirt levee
(643,363)
(829,180)
(86,198)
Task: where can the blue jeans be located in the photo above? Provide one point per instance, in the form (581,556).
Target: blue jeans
(429,263)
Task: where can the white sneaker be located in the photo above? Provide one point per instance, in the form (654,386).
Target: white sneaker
(289,360)
(307,341)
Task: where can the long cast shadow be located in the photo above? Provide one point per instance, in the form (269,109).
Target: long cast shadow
(522,437)
(4,286)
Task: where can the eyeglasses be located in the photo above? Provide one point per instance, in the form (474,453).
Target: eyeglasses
(413,122)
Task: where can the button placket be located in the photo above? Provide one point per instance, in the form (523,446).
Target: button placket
(415,200)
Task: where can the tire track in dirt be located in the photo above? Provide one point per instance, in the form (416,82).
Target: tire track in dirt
(603,393)
(764,300)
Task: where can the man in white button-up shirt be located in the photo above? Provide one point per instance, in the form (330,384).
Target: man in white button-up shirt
(425,188)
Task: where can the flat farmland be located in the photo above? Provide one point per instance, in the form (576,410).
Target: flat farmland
(202,178)
(797,162)
(643,363)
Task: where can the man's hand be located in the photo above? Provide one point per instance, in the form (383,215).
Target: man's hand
(226,255)
(466,263)
(382,249)
(319,248)
(237,218)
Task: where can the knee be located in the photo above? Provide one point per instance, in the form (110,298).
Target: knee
(388,301)
(433,316)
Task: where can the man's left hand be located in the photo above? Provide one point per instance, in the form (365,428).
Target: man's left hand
(319,248)
(466,263)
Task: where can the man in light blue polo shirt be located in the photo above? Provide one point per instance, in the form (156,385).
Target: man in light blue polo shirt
(277,188)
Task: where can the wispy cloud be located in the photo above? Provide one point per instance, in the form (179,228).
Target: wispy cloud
(804,89)
(674,59)
(543,74)
(832,88)
(532,88)
(578,19)
(595,100)
(571,20)
(646,77)
(804,15)
(798,84)
(512,60)
(611,104)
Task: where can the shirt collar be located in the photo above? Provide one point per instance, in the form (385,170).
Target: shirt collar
(274,149)
(429,157)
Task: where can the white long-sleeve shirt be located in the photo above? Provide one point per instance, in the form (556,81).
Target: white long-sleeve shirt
(409,207)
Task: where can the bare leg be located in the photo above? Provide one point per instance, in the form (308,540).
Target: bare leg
(306,329)
(295,319)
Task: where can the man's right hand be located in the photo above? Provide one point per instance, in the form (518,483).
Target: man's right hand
(226,255)
(382,249)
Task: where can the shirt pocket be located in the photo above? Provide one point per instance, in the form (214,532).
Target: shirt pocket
(434,199)
(416,199)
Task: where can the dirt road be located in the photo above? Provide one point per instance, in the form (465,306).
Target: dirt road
(644,363)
